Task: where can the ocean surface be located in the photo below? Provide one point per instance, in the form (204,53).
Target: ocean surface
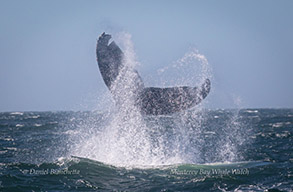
(203,150)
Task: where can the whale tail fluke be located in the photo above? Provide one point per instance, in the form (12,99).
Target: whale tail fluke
(150,100)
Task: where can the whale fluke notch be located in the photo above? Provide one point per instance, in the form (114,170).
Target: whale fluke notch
(150,100)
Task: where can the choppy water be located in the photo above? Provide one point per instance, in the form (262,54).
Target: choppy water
(121,150)
(205,150)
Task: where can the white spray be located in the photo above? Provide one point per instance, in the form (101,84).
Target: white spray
(126,138)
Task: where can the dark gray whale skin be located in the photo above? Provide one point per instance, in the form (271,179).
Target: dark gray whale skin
(150,100)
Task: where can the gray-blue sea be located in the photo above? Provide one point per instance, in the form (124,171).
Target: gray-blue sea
(200,150)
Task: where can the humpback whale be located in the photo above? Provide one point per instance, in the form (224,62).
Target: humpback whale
(149,100)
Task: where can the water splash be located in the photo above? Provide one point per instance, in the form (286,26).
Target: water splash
(125,138)
(190,70)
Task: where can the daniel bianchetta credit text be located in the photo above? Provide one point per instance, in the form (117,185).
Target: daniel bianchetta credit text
(50,171)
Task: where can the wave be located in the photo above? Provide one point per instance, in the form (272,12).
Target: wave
(83,174)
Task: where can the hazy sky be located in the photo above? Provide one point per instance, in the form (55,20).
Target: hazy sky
(48,62)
